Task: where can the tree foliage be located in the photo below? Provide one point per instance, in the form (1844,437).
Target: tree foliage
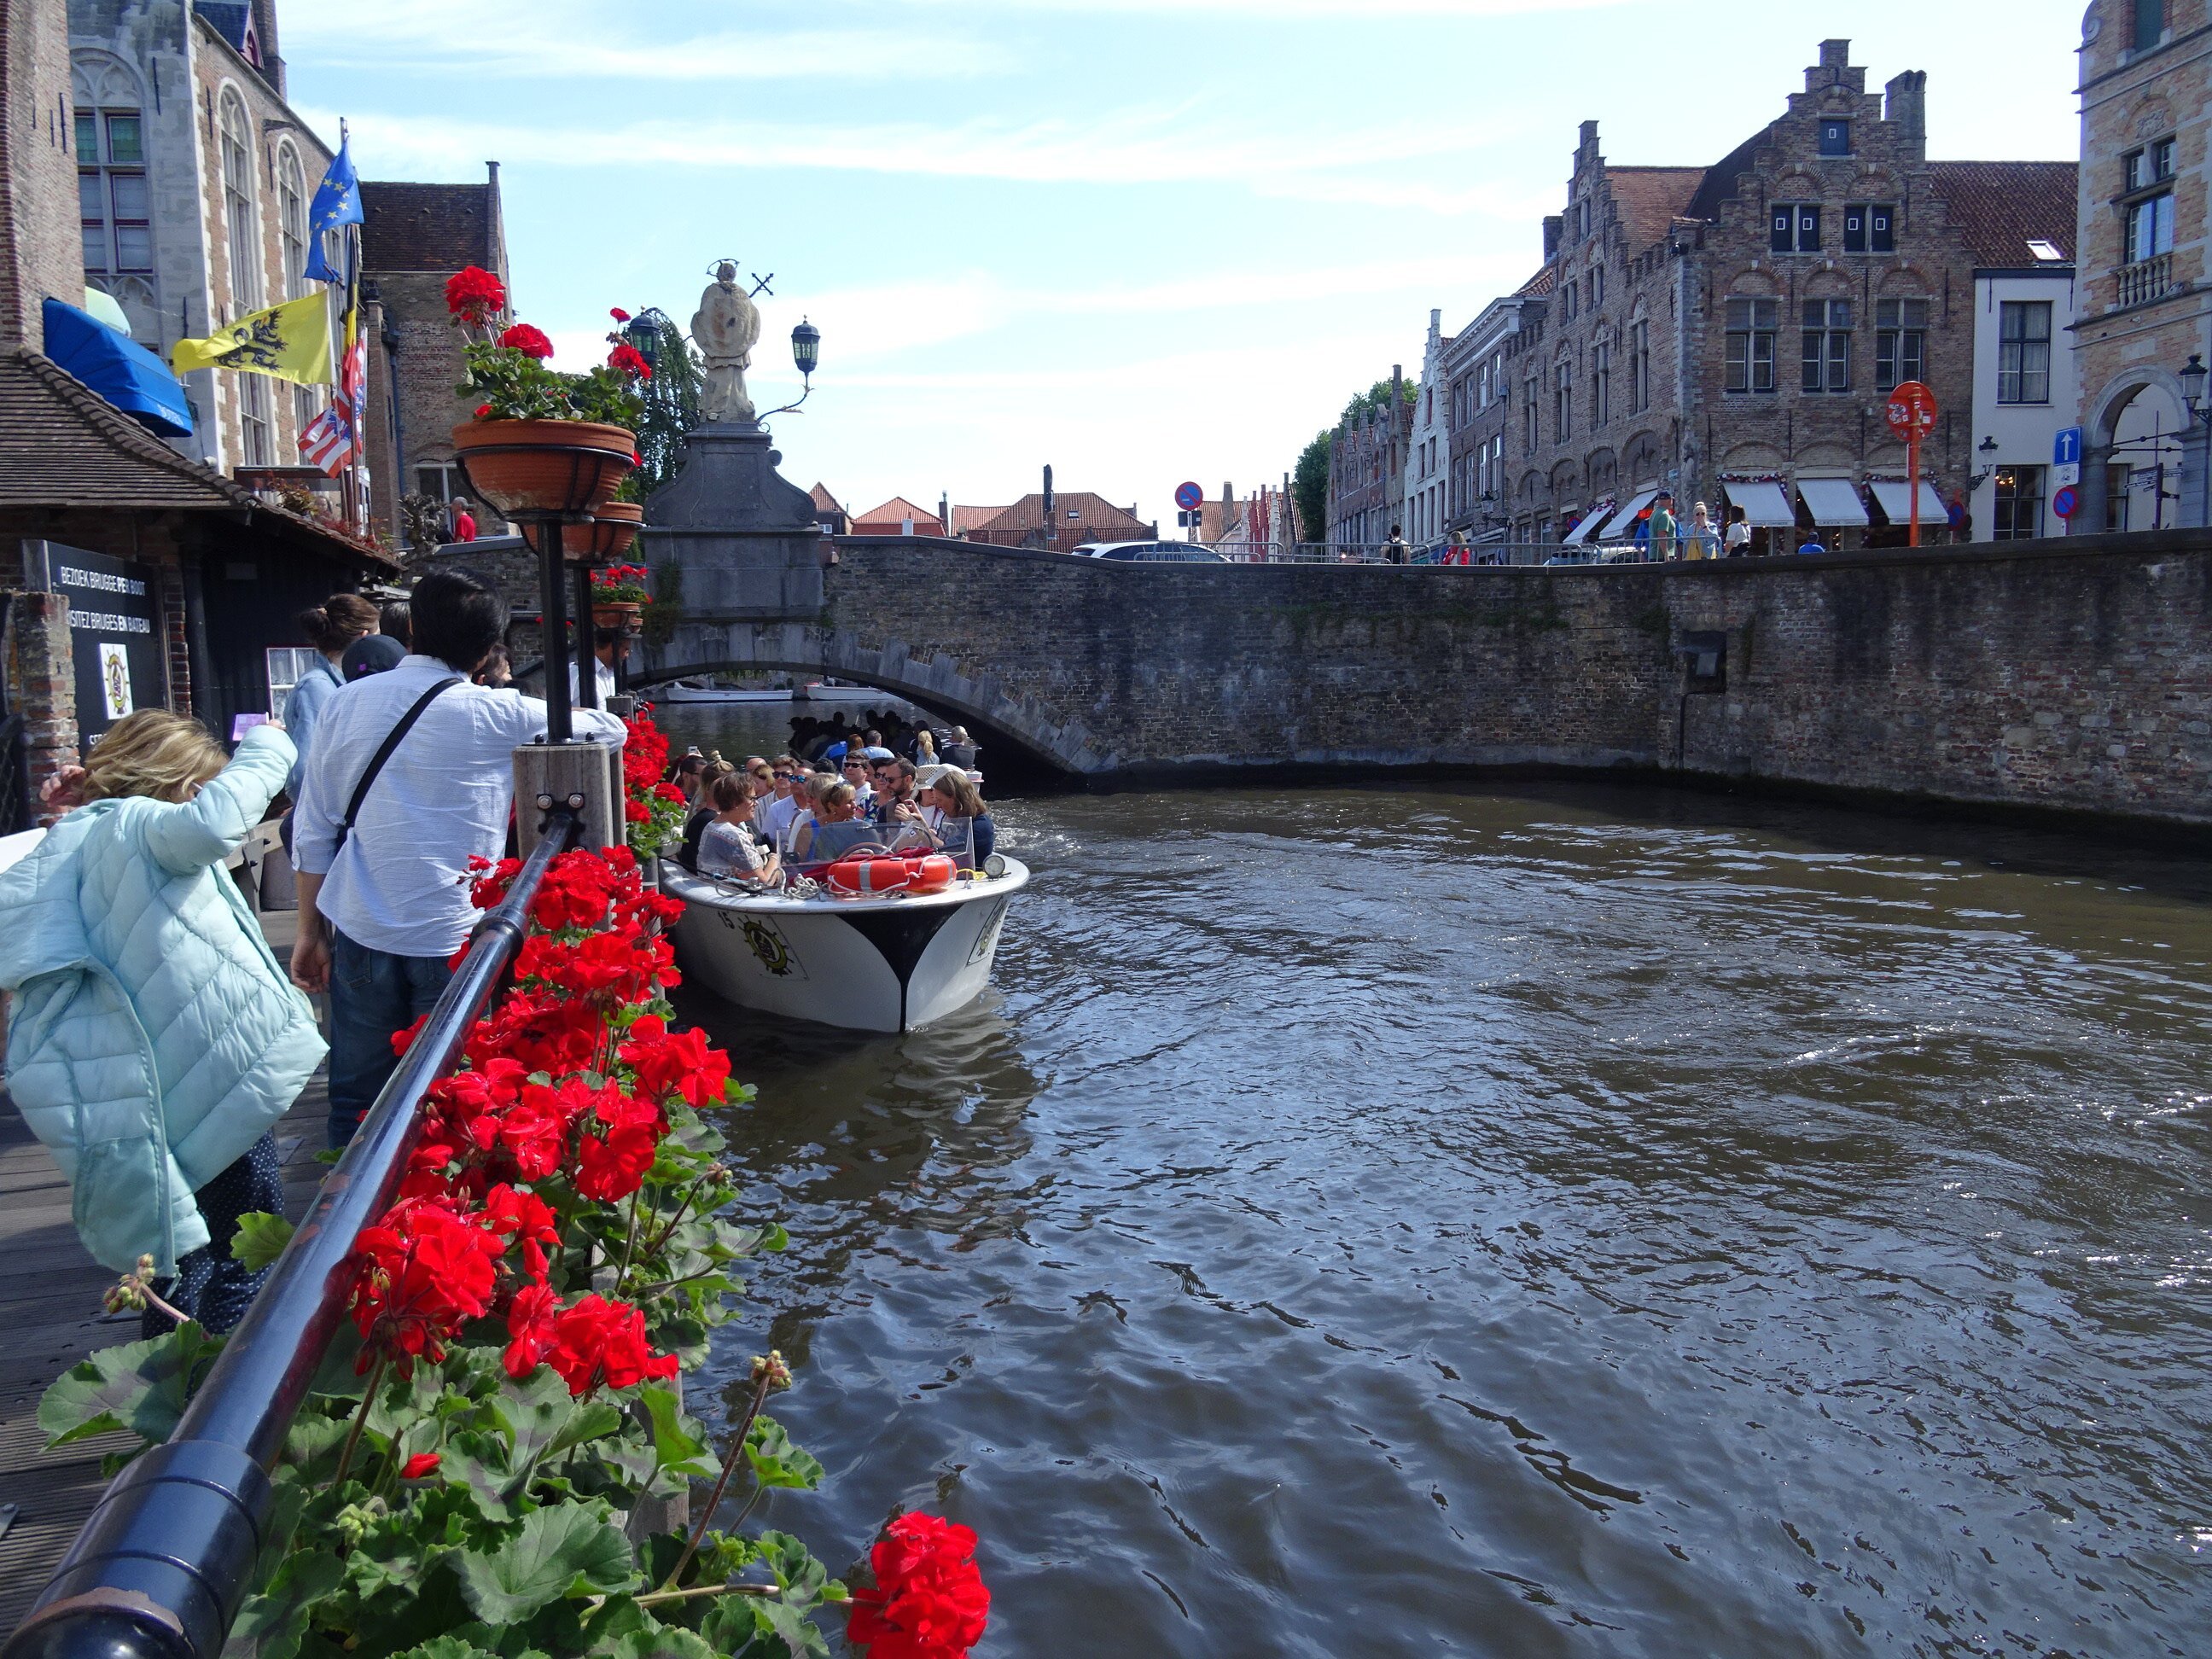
(671,405)
(1309,489)
(1374,400)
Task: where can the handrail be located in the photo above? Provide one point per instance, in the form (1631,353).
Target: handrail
(162,1565)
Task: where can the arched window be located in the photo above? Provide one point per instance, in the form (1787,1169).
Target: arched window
(292,213)
(111,183)
(245,250)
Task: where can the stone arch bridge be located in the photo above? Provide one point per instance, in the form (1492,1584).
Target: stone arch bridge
(2071,674)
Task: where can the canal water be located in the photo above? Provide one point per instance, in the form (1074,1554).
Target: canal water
(1518,1221)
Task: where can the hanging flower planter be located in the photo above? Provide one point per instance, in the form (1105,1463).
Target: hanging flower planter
(526,466)
(607,537)
(542,441)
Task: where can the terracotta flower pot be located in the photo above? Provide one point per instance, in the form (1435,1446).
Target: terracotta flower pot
(543,466)
(613,527)
(623,614)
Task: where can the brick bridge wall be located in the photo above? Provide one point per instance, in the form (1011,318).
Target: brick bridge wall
(2074,674)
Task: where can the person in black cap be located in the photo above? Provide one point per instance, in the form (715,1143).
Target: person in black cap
(372,654)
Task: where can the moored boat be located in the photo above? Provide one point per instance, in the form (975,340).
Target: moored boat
(890,963)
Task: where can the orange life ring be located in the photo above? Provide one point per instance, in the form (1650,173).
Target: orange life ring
(865,878)
(931,873)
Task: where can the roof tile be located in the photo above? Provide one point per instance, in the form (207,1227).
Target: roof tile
(1998,207)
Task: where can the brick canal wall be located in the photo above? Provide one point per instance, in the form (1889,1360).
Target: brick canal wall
(2075,674)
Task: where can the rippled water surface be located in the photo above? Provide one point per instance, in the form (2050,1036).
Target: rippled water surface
(1556,1222)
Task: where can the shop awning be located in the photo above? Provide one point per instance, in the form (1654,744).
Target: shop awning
(1764,507)
(1621,520)
(118,368)
(1832,501)
(1588,525)
(1893,496)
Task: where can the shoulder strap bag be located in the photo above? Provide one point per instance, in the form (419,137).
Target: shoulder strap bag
(376,763)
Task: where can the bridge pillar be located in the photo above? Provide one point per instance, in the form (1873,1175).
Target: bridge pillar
(744,538)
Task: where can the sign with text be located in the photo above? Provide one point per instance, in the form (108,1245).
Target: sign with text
(117,635)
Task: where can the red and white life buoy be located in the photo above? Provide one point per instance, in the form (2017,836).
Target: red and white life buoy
(866,877)
(931,873)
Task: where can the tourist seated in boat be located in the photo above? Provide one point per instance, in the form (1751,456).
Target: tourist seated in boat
(773,817)
(855,770)
(685,772)
(838,832)
(894,804)
(727,846)
(961,751)
(964,828)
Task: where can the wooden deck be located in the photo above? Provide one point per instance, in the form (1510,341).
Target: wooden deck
(50,1294)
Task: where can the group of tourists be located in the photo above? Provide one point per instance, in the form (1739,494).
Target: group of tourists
(770,817)
(818,741)
(154,1038)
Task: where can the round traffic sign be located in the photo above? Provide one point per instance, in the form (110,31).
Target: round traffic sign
(2066,503)
(1911,411)
(1189,497)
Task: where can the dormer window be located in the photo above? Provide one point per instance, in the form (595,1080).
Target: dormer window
(1835,136)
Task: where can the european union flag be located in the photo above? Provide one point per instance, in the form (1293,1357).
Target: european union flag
(338,201)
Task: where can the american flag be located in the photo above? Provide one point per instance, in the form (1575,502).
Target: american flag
(333,442)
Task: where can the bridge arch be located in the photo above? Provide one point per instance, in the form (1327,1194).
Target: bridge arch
(997,716)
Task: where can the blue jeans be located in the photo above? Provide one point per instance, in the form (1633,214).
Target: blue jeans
(373,994)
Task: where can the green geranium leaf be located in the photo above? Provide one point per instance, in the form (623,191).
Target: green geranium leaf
(546,1421)
(559,1552)
(260,1239)
(802,1576)
(445,1647)
(661,1642)
(776,1462)
(774,1236)
(312,1447)
(140,1386)
(677,1441)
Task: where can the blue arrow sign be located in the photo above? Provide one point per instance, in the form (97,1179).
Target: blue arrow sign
(2066,446)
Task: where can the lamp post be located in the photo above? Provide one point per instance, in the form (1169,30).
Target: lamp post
(2193,378)
(806,352)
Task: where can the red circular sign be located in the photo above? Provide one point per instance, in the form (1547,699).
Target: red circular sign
(1911,411)
(1189,497)
(2066,503)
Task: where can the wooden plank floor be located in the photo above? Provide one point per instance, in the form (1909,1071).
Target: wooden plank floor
(50,1292)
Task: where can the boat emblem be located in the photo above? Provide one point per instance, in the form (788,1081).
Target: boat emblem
(989,936)
(768,944)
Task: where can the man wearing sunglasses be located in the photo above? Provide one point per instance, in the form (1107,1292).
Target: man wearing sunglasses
(895,805)
(773,816)
(857,772)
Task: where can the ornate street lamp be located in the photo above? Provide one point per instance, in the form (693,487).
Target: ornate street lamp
(806,352)
(643,332)
(2192,384)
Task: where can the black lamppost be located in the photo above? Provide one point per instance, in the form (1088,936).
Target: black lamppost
(806,352)
(2193,378)
(643,332)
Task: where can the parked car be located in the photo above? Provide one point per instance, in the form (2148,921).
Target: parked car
(1150,552)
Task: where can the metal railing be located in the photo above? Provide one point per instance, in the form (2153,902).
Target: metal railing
(1491,553)
(2145,279)
(163,1564)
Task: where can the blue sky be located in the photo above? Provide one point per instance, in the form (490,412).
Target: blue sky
(1141,239)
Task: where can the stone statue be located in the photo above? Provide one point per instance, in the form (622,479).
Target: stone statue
(725,329)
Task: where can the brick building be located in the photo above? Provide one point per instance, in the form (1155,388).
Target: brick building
(1425,514)
(1731,332)
(897,517)
(1479,406)
(196,177)
(2145,289)
(413,237)
(1367,460)
(1063,522)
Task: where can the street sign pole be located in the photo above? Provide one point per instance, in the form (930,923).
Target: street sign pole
(1912,416)
(1912,466)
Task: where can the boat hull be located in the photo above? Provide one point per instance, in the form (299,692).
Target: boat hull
(888,964)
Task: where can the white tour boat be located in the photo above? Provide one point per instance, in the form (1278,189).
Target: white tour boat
(890,964)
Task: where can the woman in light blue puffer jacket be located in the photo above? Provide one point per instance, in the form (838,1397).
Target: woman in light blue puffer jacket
(154,1039)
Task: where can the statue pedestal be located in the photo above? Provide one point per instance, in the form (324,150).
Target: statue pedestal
(744,538)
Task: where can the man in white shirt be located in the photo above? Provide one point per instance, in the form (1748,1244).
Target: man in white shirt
(774,816)
(380,915)
(607,641)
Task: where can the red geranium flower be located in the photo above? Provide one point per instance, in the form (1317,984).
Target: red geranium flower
(928,1600)
(484,411)
(629,359)
(475,295)
(602,1341)
(618,313)
(675,1062)
(420,1464)
(530,1328)
(528,340)
(420,1273)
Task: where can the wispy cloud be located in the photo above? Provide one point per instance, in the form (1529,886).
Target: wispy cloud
(1142,146)
(555,39)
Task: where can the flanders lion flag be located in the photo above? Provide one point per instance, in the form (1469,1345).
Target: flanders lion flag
(291,342)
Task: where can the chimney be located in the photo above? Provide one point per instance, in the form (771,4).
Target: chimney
(1048,499)
(944,513)
(264,14)
(1906,108)
(1554,227)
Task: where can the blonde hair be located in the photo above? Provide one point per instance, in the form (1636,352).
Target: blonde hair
(152,752)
